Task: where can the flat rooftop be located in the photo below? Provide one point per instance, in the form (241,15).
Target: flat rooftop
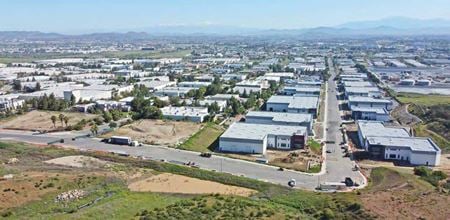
(296,102)
(361,89)
(281,116)
(367,99)
(303,89)
(378,129)
(357,84)
(413,143)
(184,111)
(177,89)
(369,109)
(249,131)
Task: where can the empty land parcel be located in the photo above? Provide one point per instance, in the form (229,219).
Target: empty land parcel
(434,110)
(159,132)
(98,188)
(41,120)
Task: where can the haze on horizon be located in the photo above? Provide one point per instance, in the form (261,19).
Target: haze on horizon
(83,16)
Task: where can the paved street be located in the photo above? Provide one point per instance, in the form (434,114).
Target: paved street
(337,166)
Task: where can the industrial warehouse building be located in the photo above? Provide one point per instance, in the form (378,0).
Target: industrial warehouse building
(369,102)
(302,91)
(294,104)
(195,114)
(391,143)
(256,138)
(362,91)
(371,114)
(280,118)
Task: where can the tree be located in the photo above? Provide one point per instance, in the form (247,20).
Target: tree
(53,118)
(200,93)
(214,108)
(66,120)
(116,114)
(138,102)
(175,100)
(213,89)
(244,94)
(17,85)
(38,86)
(159,103)
(151,112)
(73,100)
(94,129)
(113,125)
(107,117)
(61,118)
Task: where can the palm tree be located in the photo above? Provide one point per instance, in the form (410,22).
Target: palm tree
(66,120)
(94,129)
(53,118)
(61,118)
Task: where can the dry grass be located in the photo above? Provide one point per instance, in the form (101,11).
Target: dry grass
(396,195)
(40,120)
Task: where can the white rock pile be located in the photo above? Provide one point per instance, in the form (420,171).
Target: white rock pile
(70,195)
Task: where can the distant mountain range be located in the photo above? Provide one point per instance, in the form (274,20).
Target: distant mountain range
(393,26)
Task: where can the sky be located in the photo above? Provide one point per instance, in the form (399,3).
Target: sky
(82,16)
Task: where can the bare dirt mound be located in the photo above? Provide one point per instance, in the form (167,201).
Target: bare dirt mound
(158,132)
(78,161)
(172,183)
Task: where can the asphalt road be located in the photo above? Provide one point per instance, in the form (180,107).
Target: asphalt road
(337,166)
(217,163)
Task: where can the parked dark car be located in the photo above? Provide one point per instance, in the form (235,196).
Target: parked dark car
(349,182)
(206,154)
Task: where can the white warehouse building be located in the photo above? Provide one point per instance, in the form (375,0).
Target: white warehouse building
(256,138)
(280,118)
(195,114)
(392,143)
(294,104)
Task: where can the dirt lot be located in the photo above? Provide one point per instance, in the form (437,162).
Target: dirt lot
(40,120)
(29,186)
(158,132)
(78,161)
(395,195)
(295,160)
(445,163)
(172,183)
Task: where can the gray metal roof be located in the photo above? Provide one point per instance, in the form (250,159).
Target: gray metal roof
(369,109)
(361,89)
(368,99)
(239,130)
(377,129)
(302,89)
(281,116)
(357,84)
(296,102)
(413,143)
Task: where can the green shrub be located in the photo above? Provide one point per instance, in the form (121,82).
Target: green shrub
(422,171)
